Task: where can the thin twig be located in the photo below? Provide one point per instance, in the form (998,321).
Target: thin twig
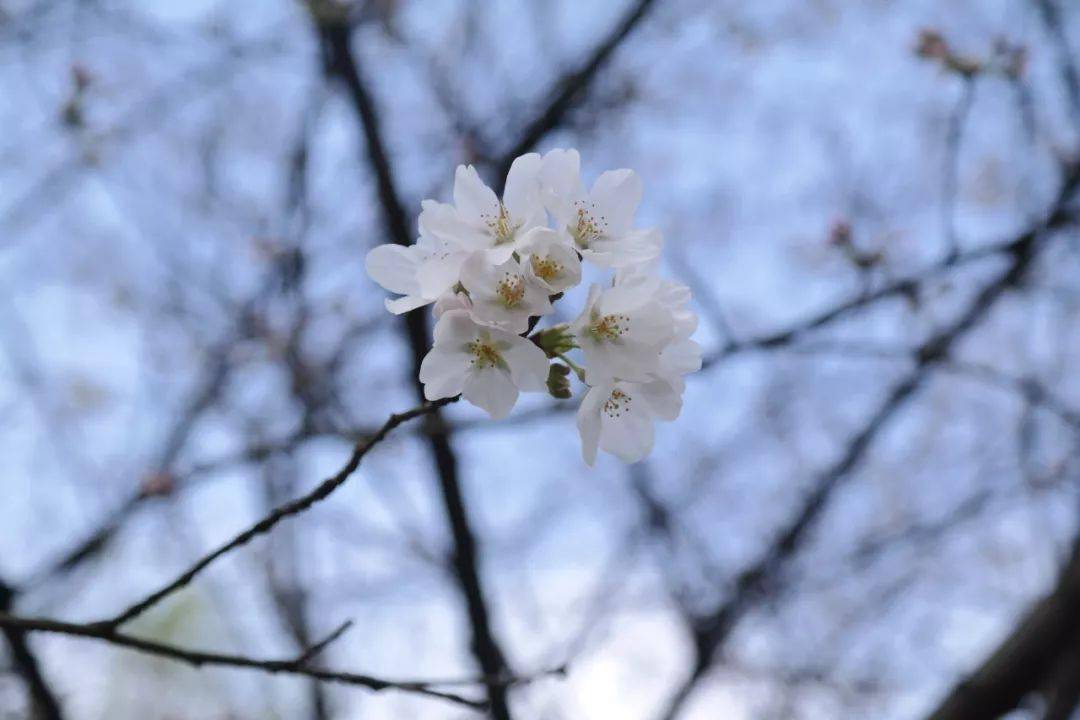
(321,492)
(198,658)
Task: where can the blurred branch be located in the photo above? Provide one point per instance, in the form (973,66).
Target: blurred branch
(44,704)
(951,183)
(1059,217)
(313,651)
(1051,16)
(1024,659)
(104,633)
(340,63)
(295,507)
(569,90)
(711,630)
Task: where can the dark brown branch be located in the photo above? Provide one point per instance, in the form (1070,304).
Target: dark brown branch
(1024,658)
(295,507)
(44,704)
(315,650)
(757,581)
(98,631)
(570,90)
(341,64)
(1051,16)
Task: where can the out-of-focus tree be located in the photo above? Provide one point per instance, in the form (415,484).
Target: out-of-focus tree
(869,507)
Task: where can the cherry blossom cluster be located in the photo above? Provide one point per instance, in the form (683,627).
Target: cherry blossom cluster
(495,267)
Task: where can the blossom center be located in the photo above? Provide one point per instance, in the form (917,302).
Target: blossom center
(588,226)
(484,355)
(501,226)
(545,268)
(609,327)
(617,404)
(511,290)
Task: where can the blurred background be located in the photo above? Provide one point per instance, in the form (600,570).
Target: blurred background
(868,508)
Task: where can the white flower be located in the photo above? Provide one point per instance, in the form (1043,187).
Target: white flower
(618,418)
(422,272)
(485,365)
(621,332)
(503,295)
(551,261)
(479,220)
(682,355)
(451,301)
(601,220)
(492,267)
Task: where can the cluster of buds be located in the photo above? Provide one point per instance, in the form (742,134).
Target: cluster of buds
(494,267)
(1007,59)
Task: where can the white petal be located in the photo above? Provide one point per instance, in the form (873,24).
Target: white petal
(651,325)
(528,363)
(492,390)
(681,357)
(664,400)
(588,421)
(405,304)
(632,248)
(479,275)
(443,372)
(617,194)
(581,322)
(440,273)
(628,433)
(455,328)
(472,197)
(630,438)
(560,179)
(446,226)
(522,194)
(540,239)
(451,301)
(394,267)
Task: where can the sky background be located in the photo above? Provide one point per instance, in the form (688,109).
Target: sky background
(151,195)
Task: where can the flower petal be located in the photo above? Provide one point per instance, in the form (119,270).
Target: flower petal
(588,421)
(443,372)
(455,328)
(617,194)
(394,267)
(664,400)
(522,194)
(472,197)
(560,182)
(491,390)
(404,304)
(528,363)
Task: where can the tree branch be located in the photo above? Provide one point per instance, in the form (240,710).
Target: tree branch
(43,701)
(1024,658)
(757,581)
(295,507)
(569,90)
(98,631)
(341,64)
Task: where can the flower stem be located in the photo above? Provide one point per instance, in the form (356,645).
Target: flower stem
(578,370)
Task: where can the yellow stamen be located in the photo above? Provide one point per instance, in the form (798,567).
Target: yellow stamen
(609,327)
(501,226)
(545,268)
(511,290)
(484,355)
(617,404)
(589,227)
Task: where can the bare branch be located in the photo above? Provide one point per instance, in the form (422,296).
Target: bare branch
(104,633)
(321,492)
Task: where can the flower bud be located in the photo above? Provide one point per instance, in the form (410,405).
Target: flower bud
(558,381)
(555,341)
